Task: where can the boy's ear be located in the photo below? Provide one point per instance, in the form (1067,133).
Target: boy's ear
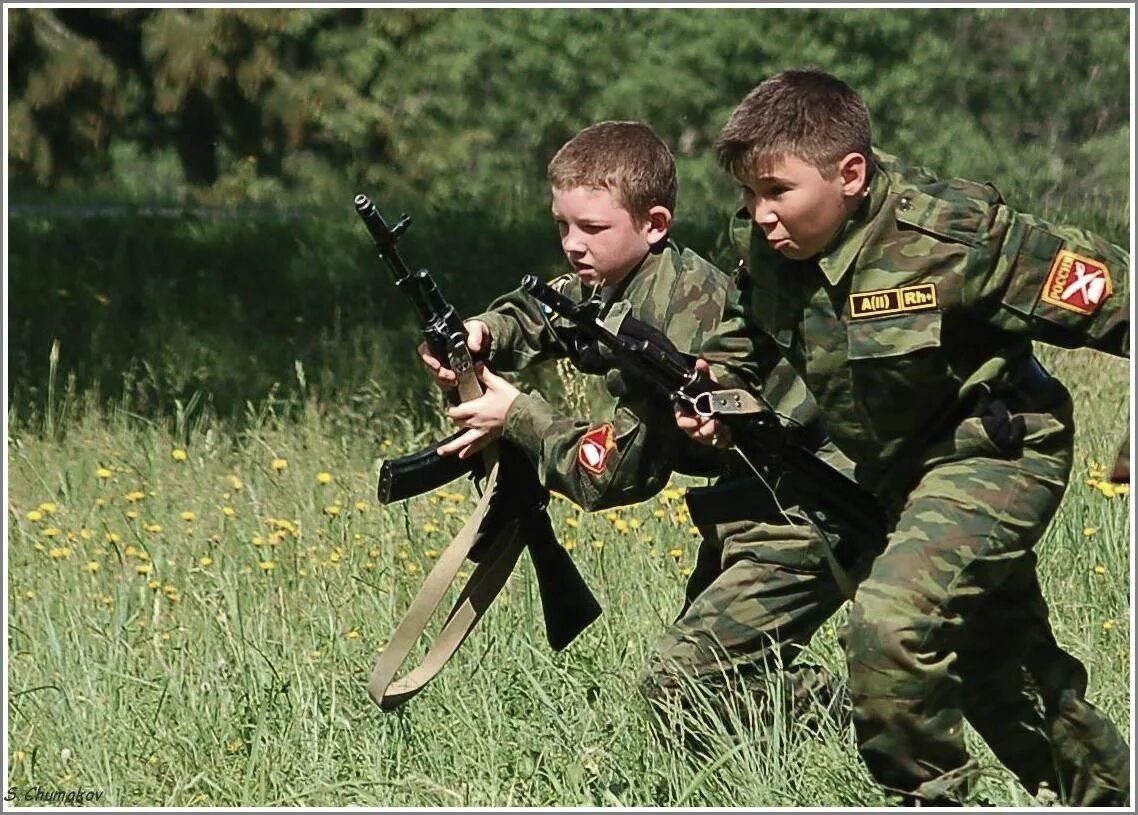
(658,224)
(853,171)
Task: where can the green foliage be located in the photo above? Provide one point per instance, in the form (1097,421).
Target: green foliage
(221,658)
(275,118)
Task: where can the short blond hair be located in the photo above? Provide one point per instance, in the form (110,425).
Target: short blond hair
(805,113)
(626,158)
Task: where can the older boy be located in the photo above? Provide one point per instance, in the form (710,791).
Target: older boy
(614,191)
(908,305)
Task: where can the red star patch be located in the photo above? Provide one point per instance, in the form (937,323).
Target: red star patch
(595,448)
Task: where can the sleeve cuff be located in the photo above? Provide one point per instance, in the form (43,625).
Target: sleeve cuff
(528,422)
(500,334)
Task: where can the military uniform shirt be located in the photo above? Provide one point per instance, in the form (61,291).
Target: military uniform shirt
(932,290)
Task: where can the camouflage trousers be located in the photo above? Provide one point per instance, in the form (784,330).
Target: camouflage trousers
(948,623)
(757,594)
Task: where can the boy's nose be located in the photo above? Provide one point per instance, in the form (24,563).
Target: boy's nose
(763,215)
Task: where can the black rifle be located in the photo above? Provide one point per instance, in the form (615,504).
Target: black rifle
(646,355)
(567,603)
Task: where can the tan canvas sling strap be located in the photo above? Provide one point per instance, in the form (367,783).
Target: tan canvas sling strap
(480,589)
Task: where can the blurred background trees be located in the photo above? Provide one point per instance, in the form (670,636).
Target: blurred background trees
(256,127)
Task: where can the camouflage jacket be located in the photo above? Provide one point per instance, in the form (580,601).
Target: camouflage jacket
(932,292)
(628,454)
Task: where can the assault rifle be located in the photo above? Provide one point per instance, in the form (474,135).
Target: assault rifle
(648,357)
(510,515)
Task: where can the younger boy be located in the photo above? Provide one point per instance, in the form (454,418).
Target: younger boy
(908,305)
(614,191)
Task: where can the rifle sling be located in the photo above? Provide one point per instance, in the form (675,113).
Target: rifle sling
(480,589)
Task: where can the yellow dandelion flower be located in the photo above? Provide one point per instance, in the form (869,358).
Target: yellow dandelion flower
(431,553)
(685,571)
(103,472)
(411,567)
(235,745)
(51,532)
(570,544)
(19,756)
(430,528)
(647,539)
(114,537)
(35,515)
(134,496)
(60,552)
(353,634)
(572,523)
(280,464)
(228,512)
(693,531)
(332,509)
(598,544)
(660,513)
(677,553)
(132,514)
(403,554)
(1100,569)
(154,584)
(257,540)
(187,516)
(28,595)
(205,561)
(1106,488)
(144,568)
(612,517)
(48,507)
(387,442)
(1108,625)
(267,565)
(1089,531)
(100,502)
(362,506)
(235,483)
(335,556)
(621,525)
(634,523)
(86,534)
(92,566)
(324,478)
(152,527)
(1121,489)
(178,454)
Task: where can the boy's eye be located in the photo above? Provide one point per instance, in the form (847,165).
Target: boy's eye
(592,229)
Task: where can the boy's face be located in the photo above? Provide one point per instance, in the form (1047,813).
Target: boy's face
(600,238)
(798,209)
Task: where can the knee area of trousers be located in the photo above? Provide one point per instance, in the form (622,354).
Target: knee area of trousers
(878,642)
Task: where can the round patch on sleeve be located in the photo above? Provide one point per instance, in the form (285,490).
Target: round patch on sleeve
(596,447)
(1077,283)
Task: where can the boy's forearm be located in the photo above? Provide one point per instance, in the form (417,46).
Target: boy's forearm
(519,336)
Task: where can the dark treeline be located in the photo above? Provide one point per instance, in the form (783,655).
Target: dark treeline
(453,114)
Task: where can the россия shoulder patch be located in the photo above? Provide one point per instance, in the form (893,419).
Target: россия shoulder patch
(1077,283)
(596,447)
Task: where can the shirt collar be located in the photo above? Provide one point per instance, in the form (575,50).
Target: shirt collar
(851,237)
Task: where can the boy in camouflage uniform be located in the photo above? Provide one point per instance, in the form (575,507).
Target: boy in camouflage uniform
(908,305)
(614,189)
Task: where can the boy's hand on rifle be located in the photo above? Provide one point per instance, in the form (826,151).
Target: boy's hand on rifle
(483,417)
(477,340)
(705,430)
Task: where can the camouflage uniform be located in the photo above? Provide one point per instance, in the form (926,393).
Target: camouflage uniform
(913,331)
(741,609)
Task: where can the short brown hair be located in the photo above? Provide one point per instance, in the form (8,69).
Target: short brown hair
(626,158)
(805,113)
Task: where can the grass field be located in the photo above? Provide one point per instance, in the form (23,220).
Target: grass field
(194,608)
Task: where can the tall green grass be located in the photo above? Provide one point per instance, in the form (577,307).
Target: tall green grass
(201,631)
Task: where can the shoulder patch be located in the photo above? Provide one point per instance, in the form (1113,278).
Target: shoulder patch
(596,447)
(920,297)
(1077,283)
